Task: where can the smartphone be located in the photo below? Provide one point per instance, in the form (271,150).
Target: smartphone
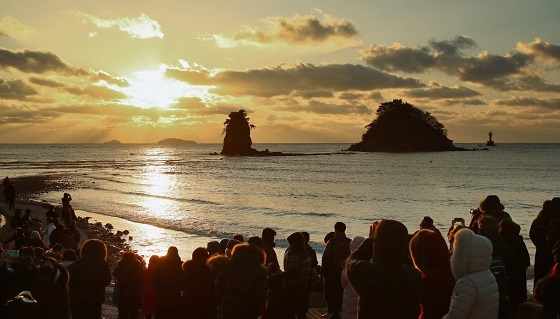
(12,253)
(459,220)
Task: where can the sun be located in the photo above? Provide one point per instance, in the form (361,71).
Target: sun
(152,88)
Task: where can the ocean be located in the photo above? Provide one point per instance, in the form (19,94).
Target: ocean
(182,196)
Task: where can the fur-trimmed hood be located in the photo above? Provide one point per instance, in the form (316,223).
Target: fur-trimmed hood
(471,253)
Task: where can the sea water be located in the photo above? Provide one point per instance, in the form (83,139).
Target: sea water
(181,195)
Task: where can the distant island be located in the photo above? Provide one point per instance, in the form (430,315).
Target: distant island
(402,127)
(113,142)
(175,141)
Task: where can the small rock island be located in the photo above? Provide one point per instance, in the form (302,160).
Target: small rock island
(402,127)
(113,142)
(175,141)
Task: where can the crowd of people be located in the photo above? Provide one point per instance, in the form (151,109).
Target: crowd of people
(387,273)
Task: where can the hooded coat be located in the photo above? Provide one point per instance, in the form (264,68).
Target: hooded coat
(53,298)
(387,287)
(195,288)
(168,280)
(241,286)
(476,292)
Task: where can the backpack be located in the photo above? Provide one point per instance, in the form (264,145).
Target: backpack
(499,271)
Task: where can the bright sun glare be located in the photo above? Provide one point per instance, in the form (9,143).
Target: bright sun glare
(152,89)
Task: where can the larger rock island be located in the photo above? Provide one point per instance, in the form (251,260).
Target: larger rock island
(402,127)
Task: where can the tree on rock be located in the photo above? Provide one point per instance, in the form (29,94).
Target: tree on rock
(237,130)
(402,127)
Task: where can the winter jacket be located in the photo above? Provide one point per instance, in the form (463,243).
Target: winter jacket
(149,294)
(271,257)
(168,280)
(387,289)
(88,277)
(53,298)
(129,276)
(476,292)
(241,286)
(548,293)
(195,288)
(336,251)
(538,234)
(297,267)
(350,296)
(47,234)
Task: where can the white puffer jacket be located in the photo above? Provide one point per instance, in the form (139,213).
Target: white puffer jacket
(476,292)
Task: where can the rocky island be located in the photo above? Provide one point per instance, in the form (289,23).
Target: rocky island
(175,141)
(402,127)
(113,142)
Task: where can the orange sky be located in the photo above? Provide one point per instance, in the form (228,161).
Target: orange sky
(305,71)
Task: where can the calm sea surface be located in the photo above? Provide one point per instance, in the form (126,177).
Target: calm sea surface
(192,197)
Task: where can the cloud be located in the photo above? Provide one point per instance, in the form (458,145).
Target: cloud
(350,96)
(436,91)
(464,102)
(286,78)
(15,90)
(298,30)
(32,61)
(548,103)
(542,50)
(97,92)
(318,107)
(45,82)
(449,57)
(104,76)
(195,105)
(141,27)
(12,28)
(311,94)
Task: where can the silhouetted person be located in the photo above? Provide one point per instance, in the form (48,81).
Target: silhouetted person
(18,274)
(510,234)
(53,214)
(89,275)
(241,285)
(548,289)
(66,201)
(239,237)
(168,280)
(297,267)
(35,240)
(387,287)
(149,293)
(538,234)
(336,251)
(350,298)
(216,264)
(195,286)
(256,240)
(128,273)
(310,250)
(430,255)
(10,194)
(491,206)
(268,247)
(16,220)
(18,237)
(53,298)
(223,246)
(213,247)
(554,227)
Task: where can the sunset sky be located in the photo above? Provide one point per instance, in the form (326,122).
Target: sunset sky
(305,71)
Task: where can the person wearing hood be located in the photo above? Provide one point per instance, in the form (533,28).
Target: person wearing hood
(476,292)
(387,287)
(241,285)
(538,234)
(216,264)
(89,275)
(195,285)
(350,297)
(149,294)
(268,247)
(168,280)
(336,251)
(128,274)
(297,267)
(431,257)
(509,231)
(53,298)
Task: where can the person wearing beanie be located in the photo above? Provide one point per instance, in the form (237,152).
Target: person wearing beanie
(476,292)
(387,287)
(350,297)
(431,257)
